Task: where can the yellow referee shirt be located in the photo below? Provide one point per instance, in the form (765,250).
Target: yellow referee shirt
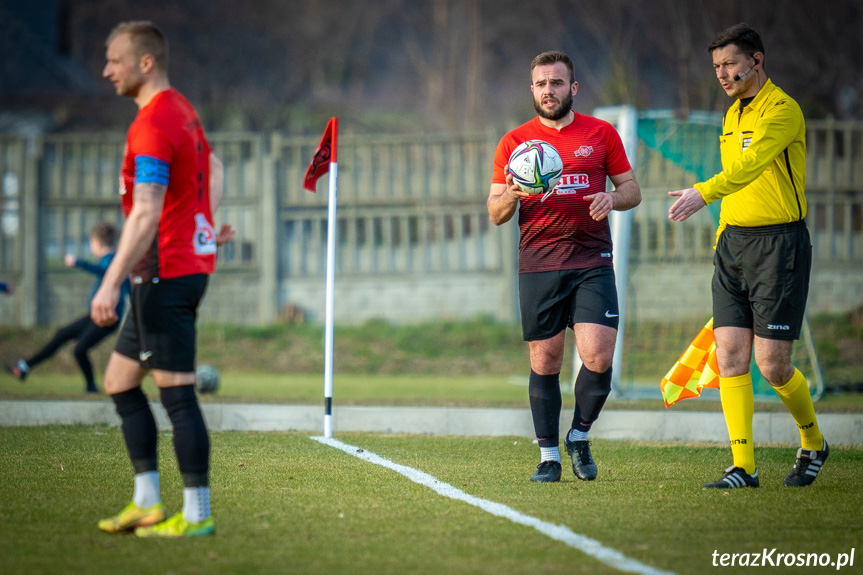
(763,148)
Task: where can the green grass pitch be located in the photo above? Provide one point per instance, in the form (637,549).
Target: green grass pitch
(384,389)
(286,504)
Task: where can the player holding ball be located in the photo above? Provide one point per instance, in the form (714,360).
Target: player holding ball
(566,276)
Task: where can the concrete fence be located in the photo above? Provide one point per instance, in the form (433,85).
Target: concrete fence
(414,240)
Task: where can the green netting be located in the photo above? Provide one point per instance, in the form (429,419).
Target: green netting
(674,151)
(691,144)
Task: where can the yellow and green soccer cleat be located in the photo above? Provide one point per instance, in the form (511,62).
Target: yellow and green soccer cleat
(133,516)
(177,526)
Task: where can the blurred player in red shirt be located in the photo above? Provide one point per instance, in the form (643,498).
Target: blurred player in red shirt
(170,186)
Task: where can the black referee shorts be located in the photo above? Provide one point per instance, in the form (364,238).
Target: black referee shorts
(761,279)
(552,301)
(159,331)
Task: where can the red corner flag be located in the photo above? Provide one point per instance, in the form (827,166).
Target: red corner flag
(325,154)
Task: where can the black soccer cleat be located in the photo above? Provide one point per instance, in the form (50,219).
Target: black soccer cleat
(547,472)
(21,369)
(807,466)
(734,477)
(582,462)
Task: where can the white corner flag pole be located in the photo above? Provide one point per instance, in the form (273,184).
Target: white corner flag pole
(327,155)
(332,224)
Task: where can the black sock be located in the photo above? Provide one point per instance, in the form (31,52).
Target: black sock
(86,366)
(545,403)
(139,429)
(591,391)
(191,442)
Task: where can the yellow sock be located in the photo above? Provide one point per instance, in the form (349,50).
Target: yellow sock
(738,405)
(795,396)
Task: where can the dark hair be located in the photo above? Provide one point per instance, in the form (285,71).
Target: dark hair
(105,233)
(552,57)
(741,35)
(146,38)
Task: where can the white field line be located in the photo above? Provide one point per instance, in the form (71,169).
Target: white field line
(561,533)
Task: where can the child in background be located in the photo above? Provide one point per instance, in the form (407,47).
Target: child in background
(103,240)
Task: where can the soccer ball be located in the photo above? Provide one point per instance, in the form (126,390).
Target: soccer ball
(207,379)
(536,166)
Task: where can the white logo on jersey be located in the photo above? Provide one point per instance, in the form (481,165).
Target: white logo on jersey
(571,183)
(205,236)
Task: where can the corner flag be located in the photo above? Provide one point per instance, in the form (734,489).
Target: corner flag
(325,160)
(695,370)
(324,155)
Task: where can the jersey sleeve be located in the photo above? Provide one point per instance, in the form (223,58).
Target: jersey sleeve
(501,158)
(152,151)
(95,269)
(616,161)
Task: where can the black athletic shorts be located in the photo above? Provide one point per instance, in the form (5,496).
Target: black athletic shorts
(159,331)
(761,279)
(552,301)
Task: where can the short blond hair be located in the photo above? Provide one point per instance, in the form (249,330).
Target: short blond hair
(146,38)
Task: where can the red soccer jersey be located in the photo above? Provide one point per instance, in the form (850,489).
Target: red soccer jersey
(559,234)
(166,144)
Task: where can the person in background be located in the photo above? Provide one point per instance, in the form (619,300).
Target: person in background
(103,241)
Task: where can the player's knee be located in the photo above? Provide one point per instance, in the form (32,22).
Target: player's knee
(545,366)
(776,372)
(545,362)
(732,364)
(112,386)
(599,361)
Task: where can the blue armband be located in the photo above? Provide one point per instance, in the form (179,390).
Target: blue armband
(151,171)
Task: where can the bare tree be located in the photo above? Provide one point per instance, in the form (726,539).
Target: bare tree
(460,64)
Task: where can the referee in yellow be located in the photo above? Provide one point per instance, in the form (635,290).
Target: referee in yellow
(763,253)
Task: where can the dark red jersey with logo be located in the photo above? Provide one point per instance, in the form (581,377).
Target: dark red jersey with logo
(166,145)
(558,233)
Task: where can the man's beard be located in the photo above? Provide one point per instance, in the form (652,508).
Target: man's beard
(129,89)
(740,89)
(557,114)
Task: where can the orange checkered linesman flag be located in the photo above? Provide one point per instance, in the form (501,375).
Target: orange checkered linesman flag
(695,370)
